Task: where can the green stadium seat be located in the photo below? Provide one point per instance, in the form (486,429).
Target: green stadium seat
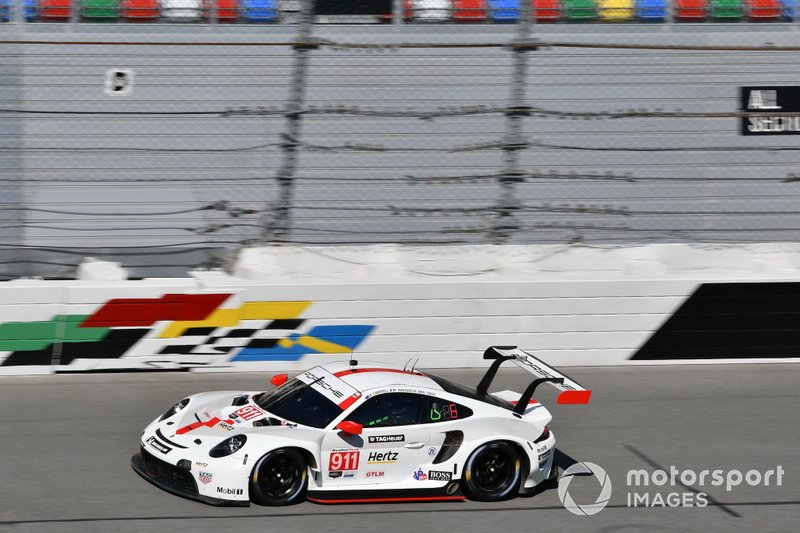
(100,10)
(727,10)
(579,10)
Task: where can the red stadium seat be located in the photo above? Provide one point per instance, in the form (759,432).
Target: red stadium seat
(469,10)
(55,10)
(140,10)
(764,9)
(227,10)
(547,10)
(691,10)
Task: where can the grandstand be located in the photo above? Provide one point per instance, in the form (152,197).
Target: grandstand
(413,11)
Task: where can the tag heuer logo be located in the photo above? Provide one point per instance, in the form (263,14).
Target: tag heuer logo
(205,478)
(387,438)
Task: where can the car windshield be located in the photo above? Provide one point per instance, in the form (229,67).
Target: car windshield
(297,402)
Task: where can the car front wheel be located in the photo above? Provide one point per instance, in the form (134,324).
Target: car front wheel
(492,473)
(279,478)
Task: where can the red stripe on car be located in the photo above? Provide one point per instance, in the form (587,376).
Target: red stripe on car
(399,499)
(349,401)
(363,370)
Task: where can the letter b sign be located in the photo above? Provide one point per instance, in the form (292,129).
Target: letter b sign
(119,81)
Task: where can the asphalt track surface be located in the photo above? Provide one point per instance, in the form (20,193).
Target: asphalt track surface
(67,440)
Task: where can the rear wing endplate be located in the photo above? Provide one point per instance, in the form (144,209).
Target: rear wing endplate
(571,391)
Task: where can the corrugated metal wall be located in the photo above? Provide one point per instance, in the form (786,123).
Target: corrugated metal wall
(398,145)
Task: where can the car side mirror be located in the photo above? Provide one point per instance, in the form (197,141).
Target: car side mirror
(348,426)
(279,380)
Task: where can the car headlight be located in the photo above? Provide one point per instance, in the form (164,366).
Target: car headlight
(228,446)
(174,409)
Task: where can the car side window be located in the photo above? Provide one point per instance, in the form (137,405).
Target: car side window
(391,409)
(439,410)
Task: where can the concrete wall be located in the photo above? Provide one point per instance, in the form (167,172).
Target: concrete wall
(633,305)
(129,178)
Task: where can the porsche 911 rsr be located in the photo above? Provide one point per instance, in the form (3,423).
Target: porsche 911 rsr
(352,432)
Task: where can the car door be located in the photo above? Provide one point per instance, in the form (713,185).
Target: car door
(390,448)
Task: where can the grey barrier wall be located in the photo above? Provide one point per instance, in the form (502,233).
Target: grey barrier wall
(162,146)
(11,138)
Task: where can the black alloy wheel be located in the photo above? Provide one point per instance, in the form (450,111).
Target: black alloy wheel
(493,472)
(279,478)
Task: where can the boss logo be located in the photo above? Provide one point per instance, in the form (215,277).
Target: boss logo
(436,475)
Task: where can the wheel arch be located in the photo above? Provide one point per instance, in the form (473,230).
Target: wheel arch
(307,454)
(311,460)
(517,443)
(525,461)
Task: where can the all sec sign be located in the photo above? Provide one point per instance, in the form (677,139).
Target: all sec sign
(772,110)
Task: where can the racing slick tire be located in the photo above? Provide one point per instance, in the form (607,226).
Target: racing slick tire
(279,478)
(492,473)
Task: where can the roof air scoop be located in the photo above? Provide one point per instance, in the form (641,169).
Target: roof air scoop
(240,400)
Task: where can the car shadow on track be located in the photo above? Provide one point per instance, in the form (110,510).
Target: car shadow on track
(561,461)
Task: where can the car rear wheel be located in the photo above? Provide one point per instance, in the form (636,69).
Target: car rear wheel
(279,478)
(492,473)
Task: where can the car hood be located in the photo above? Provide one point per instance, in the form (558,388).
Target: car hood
(215,414)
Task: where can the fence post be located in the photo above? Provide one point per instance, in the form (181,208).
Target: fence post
(278,215)
(506,221)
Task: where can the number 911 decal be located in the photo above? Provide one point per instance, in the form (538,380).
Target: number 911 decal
(344,460)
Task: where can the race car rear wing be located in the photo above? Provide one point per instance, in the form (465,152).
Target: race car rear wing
(571,391)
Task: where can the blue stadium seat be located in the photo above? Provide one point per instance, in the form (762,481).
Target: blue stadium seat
(651,10)
(503,10)
(5,10)
(260,10)
(788,9)
(31,10)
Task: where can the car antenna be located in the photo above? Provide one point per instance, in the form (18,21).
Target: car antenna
(353,362)
(415,364)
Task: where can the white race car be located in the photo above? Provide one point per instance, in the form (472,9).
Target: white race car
(349,432)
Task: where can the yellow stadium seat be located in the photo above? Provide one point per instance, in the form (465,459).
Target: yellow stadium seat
(615,10)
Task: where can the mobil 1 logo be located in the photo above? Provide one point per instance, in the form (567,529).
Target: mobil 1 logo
(770,109)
